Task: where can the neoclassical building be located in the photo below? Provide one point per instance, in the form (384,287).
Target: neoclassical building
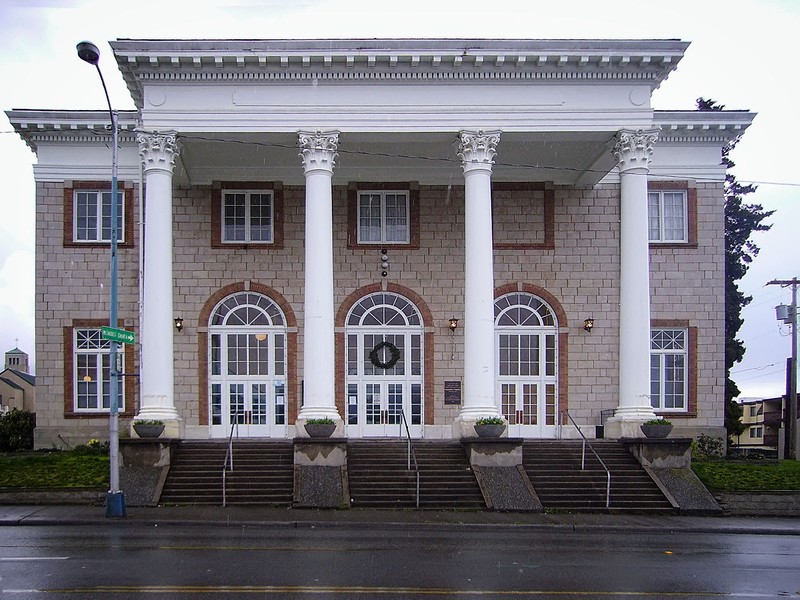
(355,229)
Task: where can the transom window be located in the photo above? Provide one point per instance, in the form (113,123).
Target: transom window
(383,217)
(668,377)
(248,308)
(247,217)
(667,216)
(92,372)
(92,216)
(522,310)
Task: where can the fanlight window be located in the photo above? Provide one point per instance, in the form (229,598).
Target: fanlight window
(522,310)
(384,309)
(248,308)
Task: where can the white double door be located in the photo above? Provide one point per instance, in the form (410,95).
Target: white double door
(527,383)
(379,396)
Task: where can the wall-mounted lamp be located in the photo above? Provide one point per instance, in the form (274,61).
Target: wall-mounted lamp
(453,324)
(588,324)
(179,324)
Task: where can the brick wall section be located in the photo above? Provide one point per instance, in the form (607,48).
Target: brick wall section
(580,272)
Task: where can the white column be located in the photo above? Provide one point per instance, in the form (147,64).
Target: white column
(318,151)
(157,401)
(633,150)
(477,150)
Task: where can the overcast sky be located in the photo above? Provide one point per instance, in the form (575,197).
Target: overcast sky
(741,55)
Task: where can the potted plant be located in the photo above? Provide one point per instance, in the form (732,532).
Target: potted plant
(148,428)
(656,428)
(490,427)
(320,427)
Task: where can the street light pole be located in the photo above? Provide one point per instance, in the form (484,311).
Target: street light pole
(791,319)
(115,499)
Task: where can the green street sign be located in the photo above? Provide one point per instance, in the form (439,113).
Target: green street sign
(118,335)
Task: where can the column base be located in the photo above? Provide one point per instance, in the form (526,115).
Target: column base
(173,427)
(626,422)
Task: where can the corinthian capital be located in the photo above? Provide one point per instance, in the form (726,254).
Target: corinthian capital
(157,149)
(318,149)
(476,149)
(633,149)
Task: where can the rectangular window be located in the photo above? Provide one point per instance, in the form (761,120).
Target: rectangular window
(667,216)
(92,216)
(668,369)
(247,217)
(383,217)
(92,372)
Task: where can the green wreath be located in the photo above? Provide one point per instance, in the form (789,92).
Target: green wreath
(374,355)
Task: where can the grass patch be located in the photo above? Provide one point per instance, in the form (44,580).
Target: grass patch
(53,470)
(732,476)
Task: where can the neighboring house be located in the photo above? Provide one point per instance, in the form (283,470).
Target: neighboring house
(17,386)
(525,188)
(763,419)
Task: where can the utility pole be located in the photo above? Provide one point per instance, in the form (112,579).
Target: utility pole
(790,317)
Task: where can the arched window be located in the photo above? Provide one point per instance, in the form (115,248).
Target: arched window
(527,364)
(247,366)
(384,363)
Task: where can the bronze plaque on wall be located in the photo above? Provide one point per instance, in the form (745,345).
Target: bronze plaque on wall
(452,392)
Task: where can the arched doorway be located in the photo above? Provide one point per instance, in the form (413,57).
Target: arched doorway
(247,366)
(526,332)
(384,361)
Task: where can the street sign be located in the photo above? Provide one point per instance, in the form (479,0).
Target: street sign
(118,335)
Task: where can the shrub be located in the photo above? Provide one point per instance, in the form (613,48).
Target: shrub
(490,421)
(706,446)
(323,421)
(658,421)
(16,430)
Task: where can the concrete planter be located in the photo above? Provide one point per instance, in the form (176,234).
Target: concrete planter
(320,430)
(146,430)
(656,431)
(490,430)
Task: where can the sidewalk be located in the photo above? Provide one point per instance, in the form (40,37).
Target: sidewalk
(364,518)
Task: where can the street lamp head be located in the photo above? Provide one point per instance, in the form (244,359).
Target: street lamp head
(88,52)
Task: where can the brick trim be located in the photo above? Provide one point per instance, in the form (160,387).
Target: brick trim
(563,334)
(549,213)
(413,214)
(691,366)
(129,383)
(69,209)
(691,210)
(202,346)
(428,374)
(276,187)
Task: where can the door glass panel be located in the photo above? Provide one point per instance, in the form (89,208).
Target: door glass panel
(236,403)
(280,404)
(530,402)
(550,404)
(416,404)
(259,403)
(395,403)
(508,394)
(372,403)
(352,404)
(216,404)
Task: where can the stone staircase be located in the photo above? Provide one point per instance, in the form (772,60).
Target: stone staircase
(379,478)
(263,473)
(553,467)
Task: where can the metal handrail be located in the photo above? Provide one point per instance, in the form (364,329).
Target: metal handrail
(583,459)
(411,454)
(228,455)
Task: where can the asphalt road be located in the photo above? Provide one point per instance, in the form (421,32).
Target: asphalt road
(110,561)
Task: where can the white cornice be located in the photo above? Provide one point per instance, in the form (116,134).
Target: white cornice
(428,60)
(712,127)
(73,126)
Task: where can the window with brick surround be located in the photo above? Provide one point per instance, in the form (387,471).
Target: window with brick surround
(247,216)
(383,215)
(667,216)
(92,372)
(87,214)
(669,369)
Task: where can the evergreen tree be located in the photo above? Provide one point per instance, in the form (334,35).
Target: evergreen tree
(741,220)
